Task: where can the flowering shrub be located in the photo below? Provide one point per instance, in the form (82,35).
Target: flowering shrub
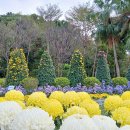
(32,119)
(8,111)
(17,68)
(83,96)
(127,127)
(126,95)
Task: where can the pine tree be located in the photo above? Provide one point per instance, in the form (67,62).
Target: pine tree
(77,72)
(128,74)
(102,70)
(46,70)
(17,68)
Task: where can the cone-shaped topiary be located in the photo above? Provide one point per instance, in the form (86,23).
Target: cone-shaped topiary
(128,74)
(17,68)
(46,70)
(102,70)
(77,72)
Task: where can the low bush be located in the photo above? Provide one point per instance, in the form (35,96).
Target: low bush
(91,81)
(62,81)
(30,83)
(119,81)
(2,82)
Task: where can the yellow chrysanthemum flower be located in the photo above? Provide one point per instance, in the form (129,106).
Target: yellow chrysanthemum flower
(36,99)
(122,115)
(75,110)
(26,98)
(91,106)
(126,103)
(84,95)
(57,95)
(2,99)
(126,95)
(112,102)
(14,95)
(70,98)
(53,107)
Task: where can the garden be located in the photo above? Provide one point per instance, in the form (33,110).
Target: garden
(71,74)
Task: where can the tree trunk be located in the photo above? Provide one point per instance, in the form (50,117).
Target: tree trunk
(115,58)
(94,65)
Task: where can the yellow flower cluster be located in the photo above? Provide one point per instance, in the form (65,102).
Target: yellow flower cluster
(126,103)
(53,107)
(2,99)
(91,106)
(83,96)
(75,110)
(70,99)
(112,102)
(122,115)
(14,95)
(58,95)
(99,96)
(36,99)
(126,95)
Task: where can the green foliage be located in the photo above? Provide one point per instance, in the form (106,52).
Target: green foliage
(102,70)
(46,70)
(17,68)
(65,70)
(119,81)
(77,72)
(91,81)
(128,74)
(62,81)
(2,82)
(30,83)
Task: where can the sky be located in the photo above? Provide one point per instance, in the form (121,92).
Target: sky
(30,6)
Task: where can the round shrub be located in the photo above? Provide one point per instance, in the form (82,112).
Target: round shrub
(91,81)
(2,82)
(30,83)
(119,81)
(62,81)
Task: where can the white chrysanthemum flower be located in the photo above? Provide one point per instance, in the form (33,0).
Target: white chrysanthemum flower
(32,119)
(8,111)
(104,123)
(78,122)
(127,127)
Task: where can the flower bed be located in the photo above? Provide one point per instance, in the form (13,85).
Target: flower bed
(64,111)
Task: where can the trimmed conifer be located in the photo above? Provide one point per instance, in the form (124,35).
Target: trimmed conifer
(77,72)
(46,70)
(17,68)
(102,70)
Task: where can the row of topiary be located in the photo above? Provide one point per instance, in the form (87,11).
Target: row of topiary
(18,72)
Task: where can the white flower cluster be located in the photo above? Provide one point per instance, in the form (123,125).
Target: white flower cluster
(104,123)
(8,111)
(78,122)
(83,122)
(32,119)
(127,127)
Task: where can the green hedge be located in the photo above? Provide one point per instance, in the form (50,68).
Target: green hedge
(62,81)
(30,83)
(91,81)
(119,81)
(2,82)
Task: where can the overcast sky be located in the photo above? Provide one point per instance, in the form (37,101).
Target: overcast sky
(30,6)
